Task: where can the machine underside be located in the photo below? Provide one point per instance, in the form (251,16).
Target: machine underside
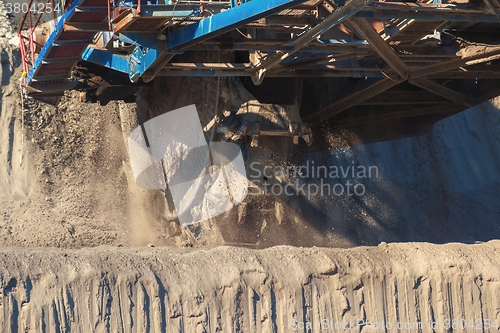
(359,61)
(269,73)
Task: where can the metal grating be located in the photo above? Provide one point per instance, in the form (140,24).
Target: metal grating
(66,51)
(39,83)
(89,17)
(76,35)
(54,69)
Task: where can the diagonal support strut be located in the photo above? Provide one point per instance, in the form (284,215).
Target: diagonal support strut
(442,91)
(384,50)
(335,18)
(352,100)
(152,54)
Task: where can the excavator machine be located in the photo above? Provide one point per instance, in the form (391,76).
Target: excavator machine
(269,75)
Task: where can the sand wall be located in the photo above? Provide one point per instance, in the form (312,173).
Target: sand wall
(229,289)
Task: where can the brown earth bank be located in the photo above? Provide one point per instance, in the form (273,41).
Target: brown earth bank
(413,287)
(65,180)
(65,176)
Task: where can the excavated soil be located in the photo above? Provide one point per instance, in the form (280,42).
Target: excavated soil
(413,287)
(66,181)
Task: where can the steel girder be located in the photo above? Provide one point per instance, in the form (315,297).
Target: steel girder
(152,52)
(378,57)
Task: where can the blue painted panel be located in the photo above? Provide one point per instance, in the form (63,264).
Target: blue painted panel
(107,59)
(226,21)
(149,48)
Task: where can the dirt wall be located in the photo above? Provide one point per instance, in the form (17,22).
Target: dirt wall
(229,289)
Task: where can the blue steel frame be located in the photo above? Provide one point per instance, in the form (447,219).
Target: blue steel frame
(227,21)
(148,48)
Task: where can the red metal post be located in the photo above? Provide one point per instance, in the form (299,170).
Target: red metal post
(24,18)
(31,31)
(109,14)
(23,40)
(22,44)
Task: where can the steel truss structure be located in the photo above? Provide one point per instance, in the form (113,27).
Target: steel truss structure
(414,58)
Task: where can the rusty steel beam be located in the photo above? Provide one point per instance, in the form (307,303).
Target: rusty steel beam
(423,12)
(52,87)
(156,67)
(352,100)
(273,45)
(245,69)
(404,97)
(442,91)
(384,50)
(85,26)
(299,64)
(473,74)
(470,56)
(493,6)
(335,18)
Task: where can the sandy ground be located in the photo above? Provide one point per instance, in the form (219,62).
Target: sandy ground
(417,286)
